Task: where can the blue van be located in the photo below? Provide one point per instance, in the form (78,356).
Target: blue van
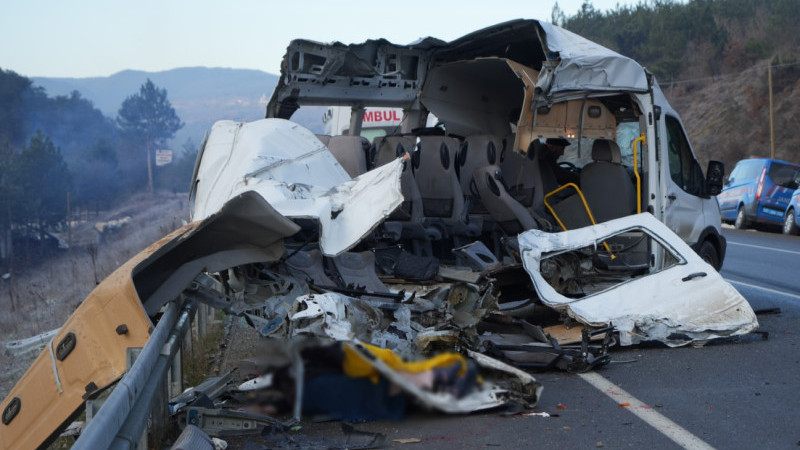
(758,191)
(791,220)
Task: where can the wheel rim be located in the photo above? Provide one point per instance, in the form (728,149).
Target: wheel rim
(740,218)
(788,224)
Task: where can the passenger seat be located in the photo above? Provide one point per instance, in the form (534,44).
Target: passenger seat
(606,184)
(324,138)
(442,197)
(407,220)
(434,171)
(523,175)
(510,215)
(477,151)
(351,153)
(387,149)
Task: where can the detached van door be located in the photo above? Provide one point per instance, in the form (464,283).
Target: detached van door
(682,182)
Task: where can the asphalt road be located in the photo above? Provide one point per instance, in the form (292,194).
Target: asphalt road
(741,394)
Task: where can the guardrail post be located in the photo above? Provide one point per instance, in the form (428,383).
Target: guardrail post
(131,353)
(202,320)
(176,374)
(159,422)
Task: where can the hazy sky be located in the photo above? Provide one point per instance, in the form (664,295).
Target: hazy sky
(83,38)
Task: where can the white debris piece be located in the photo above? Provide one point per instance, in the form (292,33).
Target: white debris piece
(264,381)
(298,176)
(686,302)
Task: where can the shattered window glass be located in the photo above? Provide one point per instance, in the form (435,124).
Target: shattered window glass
(604,265)
(627,133)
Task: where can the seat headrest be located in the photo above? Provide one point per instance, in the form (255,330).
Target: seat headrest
(605,150)
(537,150)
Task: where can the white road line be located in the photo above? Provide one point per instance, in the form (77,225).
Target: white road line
(755,286)
(765,248)
(668,428)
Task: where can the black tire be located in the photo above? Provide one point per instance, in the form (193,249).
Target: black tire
(709,254)
(789,224)
(741,219)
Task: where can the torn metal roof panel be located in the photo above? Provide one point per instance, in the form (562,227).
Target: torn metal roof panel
(380,73)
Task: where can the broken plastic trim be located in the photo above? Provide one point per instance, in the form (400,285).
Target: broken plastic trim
(572,358)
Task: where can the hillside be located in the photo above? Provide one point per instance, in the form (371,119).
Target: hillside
(728,118)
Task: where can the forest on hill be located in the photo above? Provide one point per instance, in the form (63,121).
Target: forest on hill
(712,58)
(61,155)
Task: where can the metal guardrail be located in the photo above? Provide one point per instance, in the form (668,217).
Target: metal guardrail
(122,420)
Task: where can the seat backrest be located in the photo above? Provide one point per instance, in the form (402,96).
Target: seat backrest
(387,149)
(523,176)
(476,151)
(509,214)
(349,151)
(606,184)
(434,170)
(324,138)
(357,270)
(308,265)
(546,170)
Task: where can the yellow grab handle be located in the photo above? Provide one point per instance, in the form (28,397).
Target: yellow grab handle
(636,173)
(585,205)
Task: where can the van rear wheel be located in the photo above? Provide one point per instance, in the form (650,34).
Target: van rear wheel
(789,224)
(741,219)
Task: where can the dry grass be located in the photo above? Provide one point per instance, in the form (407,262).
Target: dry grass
(42,298)
(200,355)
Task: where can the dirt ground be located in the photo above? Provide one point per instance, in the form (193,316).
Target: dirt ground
(38,299)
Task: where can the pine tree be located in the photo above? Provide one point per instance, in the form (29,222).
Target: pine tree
(148,118)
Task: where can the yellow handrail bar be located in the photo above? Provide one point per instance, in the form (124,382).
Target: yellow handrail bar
(585,205)
(636,173)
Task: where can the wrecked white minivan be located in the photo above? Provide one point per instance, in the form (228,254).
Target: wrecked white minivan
(439,260)
(383,220)
(497,93)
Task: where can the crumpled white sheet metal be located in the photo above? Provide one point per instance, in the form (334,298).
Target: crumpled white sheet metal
(659,306)
(334,315)
(586,65)
(295,173)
